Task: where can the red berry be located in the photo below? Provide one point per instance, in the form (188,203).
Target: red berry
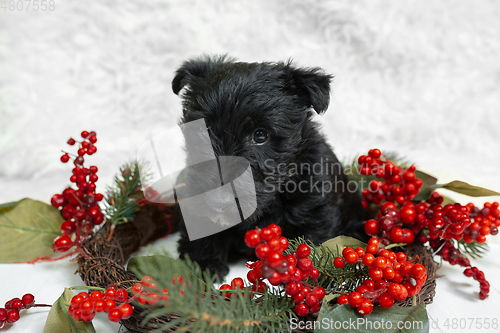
(13,316)
(311,300)
(87,306)
(3,315)
(314,274)
(303,250)
(351,257)
(343,299)
(301,310)
(28,300)
(365,308)
(115,315)
(274,279)
(397,291)
(406,268)
(389,273)
(93,178)
(401,256)
(121,295)
(71,141)
(57,200)
(93,139)
(305,264)
(237,283)
(380,263)
(283,243)
(407,214)
(252,276)
(252,238)
(339,262)
(85,134)
(319,292)
(368,259)
(110,293)
(127,310)
(375,273)
(346,251)
(396,235)
(375,153)
(275,229)
(369,283)
(292,288)
(355,299)
(386,301)
(111,304)
(100,305)
(418,271)
(371,227)
(266,234)
(62,243)
(65,158)
(298,298)
(360,251)
(274,259)
(226,287)
(262,251)
(96,294)
(16,304)
(68,227)
(408,236)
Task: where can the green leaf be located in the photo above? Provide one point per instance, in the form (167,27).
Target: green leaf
(59,321)
(343,318)
(8,205)
(27,230)
(456,186)
(426,178)
(341,242)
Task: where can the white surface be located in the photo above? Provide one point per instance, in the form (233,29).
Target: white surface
(418,77)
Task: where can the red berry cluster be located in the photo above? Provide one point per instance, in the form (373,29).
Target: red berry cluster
(424,221)
(451,254)
(392,277)
(10,314)
(79,207)
(147,291)
(84,306)
(291,269)
(467,223)
(397,184)
(393,225)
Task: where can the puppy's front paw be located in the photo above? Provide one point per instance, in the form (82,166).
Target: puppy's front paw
(217,268)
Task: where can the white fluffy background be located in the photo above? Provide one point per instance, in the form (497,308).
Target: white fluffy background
(418,77)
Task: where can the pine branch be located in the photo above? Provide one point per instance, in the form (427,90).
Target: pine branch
(331,278)
(474,250)
(202,308)
(126,197)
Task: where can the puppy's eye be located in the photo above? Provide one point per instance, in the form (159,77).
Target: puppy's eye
(260,137)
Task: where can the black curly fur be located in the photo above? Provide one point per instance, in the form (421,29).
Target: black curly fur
(236,99)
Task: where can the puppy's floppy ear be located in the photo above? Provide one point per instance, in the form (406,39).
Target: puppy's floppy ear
(315,84)
(192,70)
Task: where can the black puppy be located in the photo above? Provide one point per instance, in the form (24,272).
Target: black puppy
(262,112)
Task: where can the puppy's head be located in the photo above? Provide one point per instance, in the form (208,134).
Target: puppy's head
(258,111)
